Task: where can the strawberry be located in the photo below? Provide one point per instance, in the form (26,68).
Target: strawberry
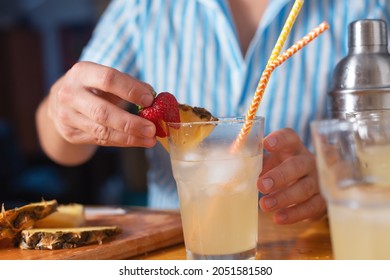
(164,108)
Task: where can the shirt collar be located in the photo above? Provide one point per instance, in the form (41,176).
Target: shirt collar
(271,12)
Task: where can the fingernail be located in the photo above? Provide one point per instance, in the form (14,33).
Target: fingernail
(269,202)
(146,99)
(271,141)
(268,183)
(148,131)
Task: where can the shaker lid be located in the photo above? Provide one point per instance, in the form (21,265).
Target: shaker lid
(361,80)
(367,32)
(367,65)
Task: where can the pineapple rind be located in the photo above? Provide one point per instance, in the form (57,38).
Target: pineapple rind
(13,221)
(194,114)
(65,238)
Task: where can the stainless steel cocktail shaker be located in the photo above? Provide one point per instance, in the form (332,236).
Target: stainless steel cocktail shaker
(361,80)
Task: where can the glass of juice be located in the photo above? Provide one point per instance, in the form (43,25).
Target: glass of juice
(217,186)
(353,158)
(376,160)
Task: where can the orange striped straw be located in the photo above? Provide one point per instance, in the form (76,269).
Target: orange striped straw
(266,76)
(292,16)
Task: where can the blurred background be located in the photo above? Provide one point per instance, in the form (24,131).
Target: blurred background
(39,41)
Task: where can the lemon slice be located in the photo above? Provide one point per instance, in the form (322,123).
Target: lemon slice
(186,136)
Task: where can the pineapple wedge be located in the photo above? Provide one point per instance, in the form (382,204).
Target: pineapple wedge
(13,221)
(65,238)
(183,136)
(66,216)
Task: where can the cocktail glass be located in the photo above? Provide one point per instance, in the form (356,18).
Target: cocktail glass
(217,186)
(353,158)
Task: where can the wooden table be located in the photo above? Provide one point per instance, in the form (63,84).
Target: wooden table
(142,230)
(157,235)
(300,241)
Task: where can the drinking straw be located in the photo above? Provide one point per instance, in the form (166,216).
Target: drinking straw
(286,30)
(251,113)
(292,16)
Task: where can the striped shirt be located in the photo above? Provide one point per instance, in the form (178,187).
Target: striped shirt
(191,49)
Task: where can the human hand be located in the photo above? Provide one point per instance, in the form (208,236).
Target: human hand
(289,179)
(87,106)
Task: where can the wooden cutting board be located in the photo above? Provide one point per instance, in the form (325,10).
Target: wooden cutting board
(143,230)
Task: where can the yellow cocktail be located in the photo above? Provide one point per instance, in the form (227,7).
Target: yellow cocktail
(217,190)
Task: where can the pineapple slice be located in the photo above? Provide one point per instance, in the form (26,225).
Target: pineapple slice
(185,137)
(70,215)
(194,114)
(13,221)
(65,238)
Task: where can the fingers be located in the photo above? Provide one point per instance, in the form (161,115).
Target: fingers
(279,146)
(113,81)
(269,162)
(87,131)
(285,173)
(297,193)
(86,106)
(283,141)
(110,116)
(289,179)
(313,208)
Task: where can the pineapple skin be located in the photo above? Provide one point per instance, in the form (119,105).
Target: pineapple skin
(13,221)
(67,238)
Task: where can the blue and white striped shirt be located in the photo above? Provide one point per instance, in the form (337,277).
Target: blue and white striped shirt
(191,49)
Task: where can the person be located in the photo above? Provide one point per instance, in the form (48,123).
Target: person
(208,53)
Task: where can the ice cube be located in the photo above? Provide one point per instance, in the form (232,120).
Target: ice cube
(191,156)
(223,172)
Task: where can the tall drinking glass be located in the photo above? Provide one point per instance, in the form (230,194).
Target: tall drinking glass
(353,158)
(217,186)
